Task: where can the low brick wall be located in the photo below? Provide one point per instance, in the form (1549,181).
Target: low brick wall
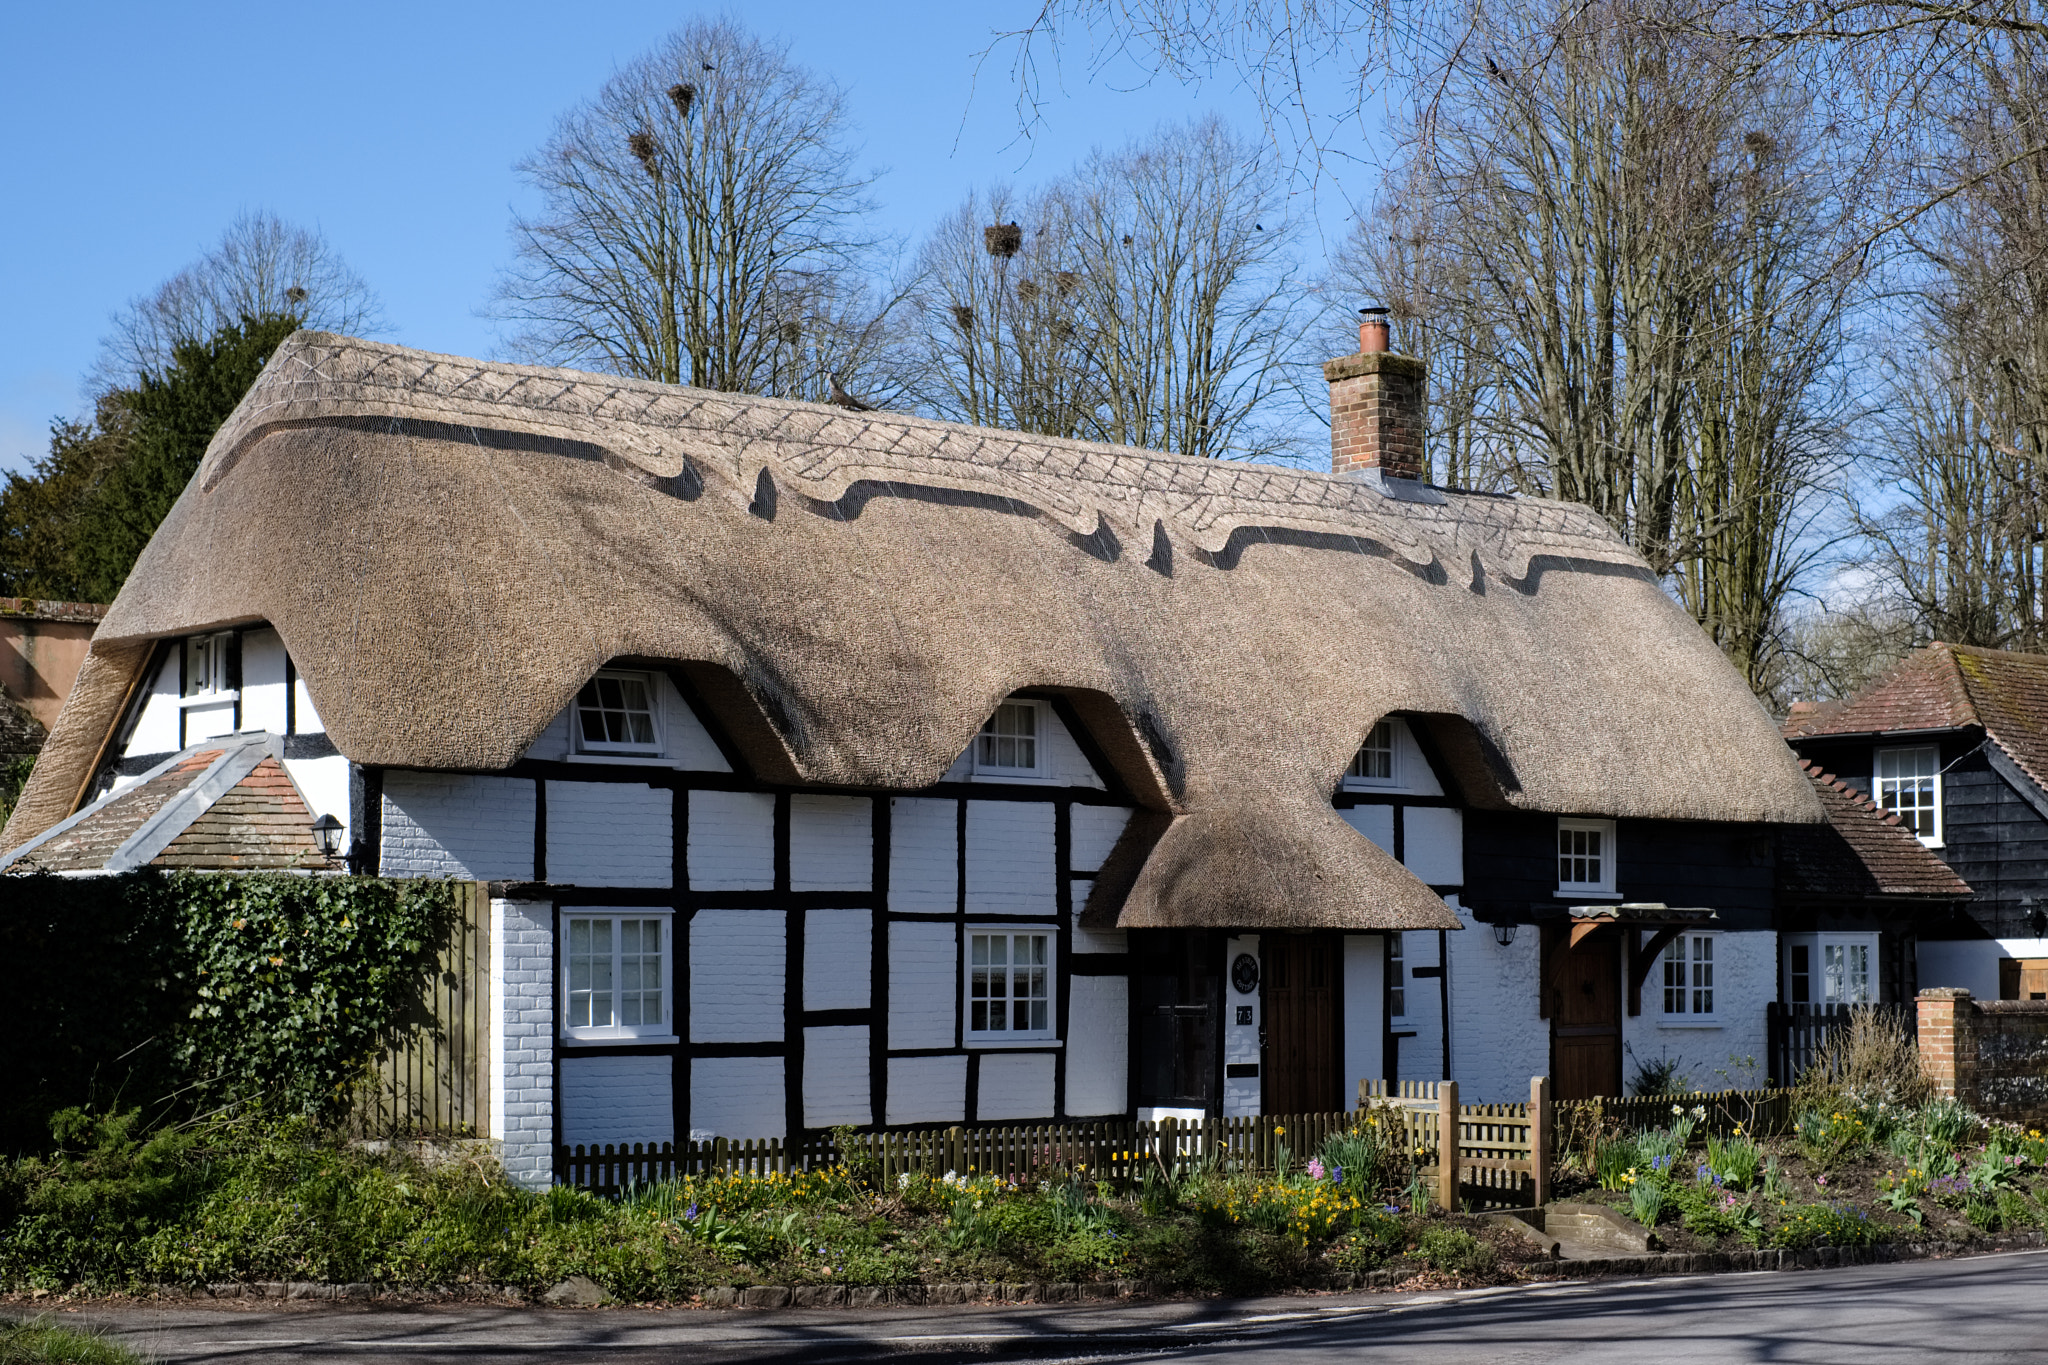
(1990,1054)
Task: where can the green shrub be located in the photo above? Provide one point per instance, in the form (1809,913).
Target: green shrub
(1827,1138)
(1709,1212)
(1454,1251)
(1835,1225)
(1737,1161)
(1947,1123)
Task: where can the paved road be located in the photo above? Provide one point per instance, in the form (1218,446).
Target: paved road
(1961,1312)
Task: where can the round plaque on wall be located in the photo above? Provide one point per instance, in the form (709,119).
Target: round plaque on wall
(1244,973)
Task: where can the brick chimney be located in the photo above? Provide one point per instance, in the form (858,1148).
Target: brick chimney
(1378,406)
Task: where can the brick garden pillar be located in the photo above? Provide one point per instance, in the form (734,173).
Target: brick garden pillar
(1948,1042)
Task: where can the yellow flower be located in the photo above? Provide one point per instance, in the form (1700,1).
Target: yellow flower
(1279,1132)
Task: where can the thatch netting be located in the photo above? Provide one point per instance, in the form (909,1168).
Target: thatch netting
(450,548)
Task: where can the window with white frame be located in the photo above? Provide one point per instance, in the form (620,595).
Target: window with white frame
(206,664)
(615,715)
(1827,972)
(1689,978)
(1012,741)
(1373,764)
(1009,985)
(1585,857)
(1908,783)
(1397,978)
(616,974)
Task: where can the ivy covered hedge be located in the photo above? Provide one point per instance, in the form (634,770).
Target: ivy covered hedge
(174,993)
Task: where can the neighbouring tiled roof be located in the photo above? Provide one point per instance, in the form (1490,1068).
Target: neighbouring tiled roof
(1861,852)
(40,609)
(261,822)
(86,846)
(1944,687)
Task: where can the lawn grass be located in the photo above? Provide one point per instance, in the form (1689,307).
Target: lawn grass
(37,1342)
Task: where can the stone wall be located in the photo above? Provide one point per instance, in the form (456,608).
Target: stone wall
(1990,1054)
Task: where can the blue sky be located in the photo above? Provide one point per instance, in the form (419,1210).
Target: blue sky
(137,132)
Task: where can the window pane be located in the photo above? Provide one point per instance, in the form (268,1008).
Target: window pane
(617,712)
(1802,975)
(1703,976)
(1674,977)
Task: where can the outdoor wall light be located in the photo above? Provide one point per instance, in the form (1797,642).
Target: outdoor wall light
(327,830)
(1503,933)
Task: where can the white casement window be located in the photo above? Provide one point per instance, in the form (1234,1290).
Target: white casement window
(615,714)
(1009,985)
(1012,742)
(1585,857)
(1689,979)
(1397,978)
(1828,972)
(1373,764)
(1908,783)
(617,974)
(206,664)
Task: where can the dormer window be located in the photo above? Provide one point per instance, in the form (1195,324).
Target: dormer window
(1373,764)
(206,664)
(615,715)
(1909,785)
(1012,741)
(1585,857)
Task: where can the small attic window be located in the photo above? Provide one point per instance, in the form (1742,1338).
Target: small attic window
(1373,764)
(615,715)
(1012,741)
(206,665)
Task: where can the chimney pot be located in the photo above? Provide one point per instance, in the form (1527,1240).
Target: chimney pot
(1378,406)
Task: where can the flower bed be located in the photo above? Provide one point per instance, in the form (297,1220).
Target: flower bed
(1847,1175)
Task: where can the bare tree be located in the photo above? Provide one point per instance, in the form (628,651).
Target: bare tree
(701,224)
(263,266)
(1148,298)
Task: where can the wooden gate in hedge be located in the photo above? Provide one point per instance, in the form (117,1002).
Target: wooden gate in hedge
(432,1079)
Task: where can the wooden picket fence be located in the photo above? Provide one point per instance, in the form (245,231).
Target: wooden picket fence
(1499,1154)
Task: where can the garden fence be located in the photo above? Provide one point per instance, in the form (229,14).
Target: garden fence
(1797,1037)
(431,1079)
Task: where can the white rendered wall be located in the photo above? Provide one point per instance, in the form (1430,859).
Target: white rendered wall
(831,843)
(1971,964)
(156,729)
(610,834)
(609,1101)
(732,841)
(1241,1094)
(522,1040)
(1014,1085)
(1374,822)
(263,688)
(305,716)
(1433,844)
(1093,940)
(1729,1054)
(1066,765)
(1098,1046)
(1365,1011)
(836,1077)
(1422,1056)
(838,959)
(685,743)
(737,1097)
(927,1089)
(324,784)
(1412,776)
(739,967)
(1011,865)
(924,986)
(924,855)
(457,825)
(1092,831)
(1498,1039)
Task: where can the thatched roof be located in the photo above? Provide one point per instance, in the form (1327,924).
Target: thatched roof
(450,548)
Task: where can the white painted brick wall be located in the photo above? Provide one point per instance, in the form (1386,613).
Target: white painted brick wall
(738,1097)
(739,965)
(617,1100)
(924,985)
(1374,822)
(263,682)
(831,843)
(1422,1057)
(1015,1085)
(1093,832)
(1498,1040)
(156,729)
(1365,1011)
(1433,844)
(610,834)
(836,1080)
(1093,940)
(522,1039)
(1098,1046)
(1241,1094)
(732,841)
(924,855)
(684,741)
(838,959)
(456,825)
(553,744)
(1745,981)
(1070,767)
(927,1090)
(304,716)
(1010,858)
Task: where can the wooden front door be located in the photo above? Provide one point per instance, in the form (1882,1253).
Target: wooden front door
(1585,1016)
(1177,985)
(1299,991)
(2023,978)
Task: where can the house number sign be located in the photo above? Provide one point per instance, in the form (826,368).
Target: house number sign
(1244,973)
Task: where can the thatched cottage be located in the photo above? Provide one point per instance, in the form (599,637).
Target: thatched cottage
(856,768)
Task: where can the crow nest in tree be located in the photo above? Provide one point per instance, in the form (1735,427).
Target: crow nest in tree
(682,96)
(643,146)
(791,333)
(1003,240)
(963,317)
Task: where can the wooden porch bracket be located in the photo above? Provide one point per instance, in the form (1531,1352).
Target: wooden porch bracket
(1645,955)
